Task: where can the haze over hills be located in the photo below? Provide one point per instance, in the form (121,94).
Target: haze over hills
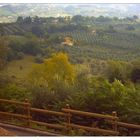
(9,12)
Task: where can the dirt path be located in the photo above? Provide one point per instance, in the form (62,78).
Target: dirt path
(11,130)
(4,132)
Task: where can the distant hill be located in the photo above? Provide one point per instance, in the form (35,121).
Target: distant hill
(9,12)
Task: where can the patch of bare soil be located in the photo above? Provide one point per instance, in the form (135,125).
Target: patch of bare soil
(4,132)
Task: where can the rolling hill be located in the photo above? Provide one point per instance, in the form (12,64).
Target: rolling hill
(9,12)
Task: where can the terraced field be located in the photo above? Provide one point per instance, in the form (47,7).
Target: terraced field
(105,46)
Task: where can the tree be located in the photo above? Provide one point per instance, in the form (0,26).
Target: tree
(28,20)
(36,20)
(104,96)
(118,70)
(2,32)
(135,73)
(52,81)
(12,91)
(56,68)
(102,19)
(31,45)
(111,29)
(77,18)
(135,17)
(20,20)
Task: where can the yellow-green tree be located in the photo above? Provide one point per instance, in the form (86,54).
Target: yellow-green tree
(56,68)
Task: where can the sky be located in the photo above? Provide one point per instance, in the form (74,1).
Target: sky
(69,1)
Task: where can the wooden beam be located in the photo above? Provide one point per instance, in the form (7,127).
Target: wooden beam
(89,114)
(13,102)
(128,125)
(14,115)
(96,130)
(56,126)
(48,112)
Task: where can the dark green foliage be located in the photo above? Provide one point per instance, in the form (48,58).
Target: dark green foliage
(3,52)
(102,19)
(135,73)
(54,39)
(27,20)
(118,70)
(20,20)
(12,91)
(18,46)
(36,19)
(36,30)
(4,80)
(2,32)
(32,47)
(77,18)
(66,28)
(130,28)
(82,82)
(42,97)
(110,29)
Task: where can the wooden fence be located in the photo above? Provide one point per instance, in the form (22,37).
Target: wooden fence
(67,113)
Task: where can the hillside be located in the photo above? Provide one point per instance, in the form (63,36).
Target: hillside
(102,38)
(18,70)
(79,62)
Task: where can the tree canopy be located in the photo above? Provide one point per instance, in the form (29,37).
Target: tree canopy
(56,68)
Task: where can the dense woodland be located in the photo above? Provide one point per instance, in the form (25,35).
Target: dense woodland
(99,73)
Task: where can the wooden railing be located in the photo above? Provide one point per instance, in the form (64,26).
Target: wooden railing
(67,113)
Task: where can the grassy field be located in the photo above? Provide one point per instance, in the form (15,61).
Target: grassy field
(18,69)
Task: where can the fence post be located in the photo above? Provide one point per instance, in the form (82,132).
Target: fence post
(68,119)
(27,108)
(114,122)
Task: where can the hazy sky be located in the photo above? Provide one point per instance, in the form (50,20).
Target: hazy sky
(69,1)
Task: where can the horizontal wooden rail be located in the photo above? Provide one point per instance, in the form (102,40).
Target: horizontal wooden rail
(48,112)
(56,126)
(96,130)
(14,115)
(13,102)
(89,114)
(128,125)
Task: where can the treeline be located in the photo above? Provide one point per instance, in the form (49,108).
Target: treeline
(40,25)
(68,19)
